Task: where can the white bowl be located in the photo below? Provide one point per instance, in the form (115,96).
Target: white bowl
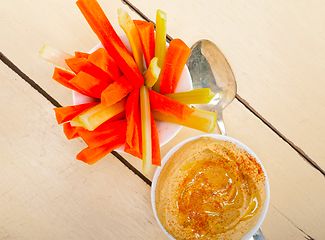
(166,131)
(219,137)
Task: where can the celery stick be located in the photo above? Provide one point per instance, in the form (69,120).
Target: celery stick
(132,34)
(145,129)
(54,56)
(98,114)
(202,120)
(152,73)
(195,96)
(75,122)
(160,43)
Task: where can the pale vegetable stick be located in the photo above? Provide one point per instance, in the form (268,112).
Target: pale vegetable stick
(97,115)
(132,34)
(195,96)
(152,73)
(160,43)
(145,129)
(55,56)
(200,120)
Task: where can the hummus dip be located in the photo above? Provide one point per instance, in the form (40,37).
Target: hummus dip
(210,189)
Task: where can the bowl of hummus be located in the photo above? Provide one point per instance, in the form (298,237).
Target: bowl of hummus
(210,187)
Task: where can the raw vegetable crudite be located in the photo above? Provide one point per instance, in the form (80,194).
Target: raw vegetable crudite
(126,108)
(160,43)
(195,96)
(105,32)
(176,57)
(146,32)
(131,32)
(152,74)
(145,129)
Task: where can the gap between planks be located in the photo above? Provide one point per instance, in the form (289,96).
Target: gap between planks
(55,103)
(246,104)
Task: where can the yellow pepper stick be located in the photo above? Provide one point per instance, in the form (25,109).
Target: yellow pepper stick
(145,129)
(152,73)
(160,43)
(132,34)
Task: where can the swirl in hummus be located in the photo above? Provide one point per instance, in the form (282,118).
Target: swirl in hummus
(210,189)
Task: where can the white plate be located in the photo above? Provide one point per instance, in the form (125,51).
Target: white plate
(166,131)
(219,137)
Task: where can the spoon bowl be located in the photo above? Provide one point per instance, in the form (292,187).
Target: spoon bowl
(209,69)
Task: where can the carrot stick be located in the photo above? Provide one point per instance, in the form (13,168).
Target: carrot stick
(176,58)
(63,77)
(93,155)
(83,65)
(104,134)
(156,157)
(88,84)
(133,143)
(116,91)
(168,106)
(64,114)
(78,54)
(104,61)
(70,131)
(147,36)
(101,26)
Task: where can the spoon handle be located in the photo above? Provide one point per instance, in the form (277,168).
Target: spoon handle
(258,235)
(220,122)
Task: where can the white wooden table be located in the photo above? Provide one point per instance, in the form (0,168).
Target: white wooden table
(277,53)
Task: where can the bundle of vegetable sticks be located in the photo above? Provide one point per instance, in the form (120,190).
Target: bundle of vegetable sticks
(130,90)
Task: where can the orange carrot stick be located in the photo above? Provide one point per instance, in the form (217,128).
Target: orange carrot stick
(104,61)
(116,91)
(64,114)
(101,26)
(78,54)
(176,58)
(93,155)
(89,85)
(83,65)
(70,131)
(104,134)
(168,106)
(147,36)
(156,157)
(63,77)
(133,143)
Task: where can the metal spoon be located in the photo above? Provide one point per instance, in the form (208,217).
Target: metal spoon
(209,69)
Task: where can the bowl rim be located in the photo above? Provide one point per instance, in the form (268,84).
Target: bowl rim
(240,145)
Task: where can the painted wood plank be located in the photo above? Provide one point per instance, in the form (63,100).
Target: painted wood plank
(27,27)
(277,53)
(46,193)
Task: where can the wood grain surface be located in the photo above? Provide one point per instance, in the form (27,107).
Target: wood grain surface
(277,52)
